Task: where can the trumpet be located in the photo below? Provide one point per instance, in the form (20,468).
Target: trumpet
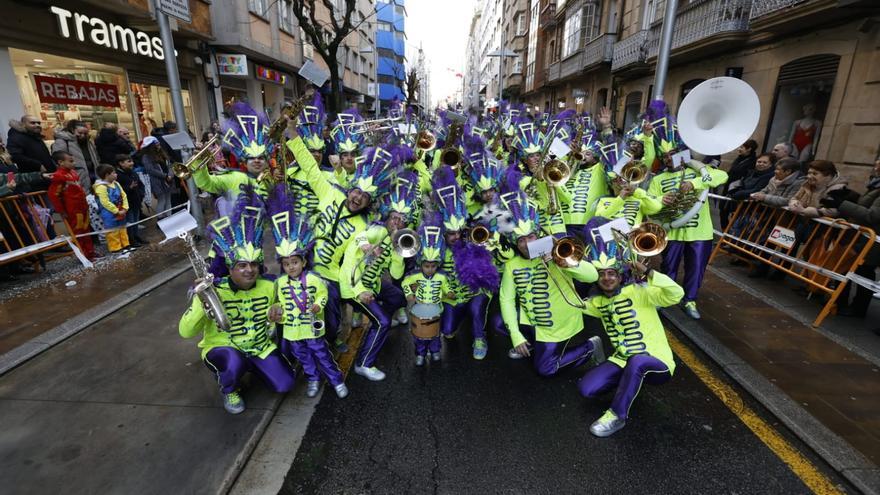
(556,173)
(426,141)
(363,130)
(184,171)
(479,235)
(405,242)
(568,251)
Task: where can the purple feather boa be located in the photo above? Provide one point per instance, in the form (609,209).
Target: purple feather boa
(474,267)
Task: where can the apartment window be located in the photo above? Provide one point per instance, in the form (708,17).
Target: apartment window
(285,16)
(571,33)
(259,7)
(517,65)
(591,21)
(520,25)
(383,26)
(398,11)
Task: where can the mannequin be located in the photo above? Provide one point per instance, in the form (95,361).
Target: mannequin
(805,132)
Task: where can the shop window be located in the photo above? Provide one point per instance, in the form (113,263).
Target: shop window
(30,66)
(632,108)
(152,104)
(285,16)
(803,91)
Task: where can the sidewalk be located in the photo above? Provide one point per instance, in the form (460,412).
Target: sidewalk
(831,372)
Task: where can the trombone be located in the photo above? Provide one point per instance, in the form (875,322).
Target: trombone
(644,241)
(556,173)
(388,123)
(184,171)
(633,173)
(568,251)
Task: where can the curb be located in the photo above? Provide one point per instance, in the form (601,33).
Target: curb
(851,464)
(76,324)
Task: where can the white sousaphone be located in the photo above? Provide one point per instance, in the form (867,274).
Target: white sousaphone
(716,117)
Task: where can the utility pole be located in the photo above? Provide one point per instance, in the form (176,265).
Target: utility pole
(664,49)
(177,104)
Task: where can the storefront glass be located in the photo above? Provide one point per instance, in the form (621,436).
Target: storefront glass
(153,106)
(31,66)
(798,114)
(232,95)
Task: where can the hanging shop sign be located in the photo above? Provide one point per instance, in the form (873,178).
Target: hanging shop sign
(270,75)
(176,8)
(74,92)
(231,64)
(107,34)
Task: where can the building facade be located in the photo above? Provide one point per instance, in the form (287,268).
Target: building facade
(391,47)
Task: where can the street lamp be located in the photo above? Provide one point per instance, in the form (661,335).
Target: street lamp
(502,53)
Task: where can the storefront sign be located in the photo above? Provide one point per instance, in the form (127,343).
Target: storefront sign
(270,75)
(176,8)
(73,92)
(107,34)
(230,64)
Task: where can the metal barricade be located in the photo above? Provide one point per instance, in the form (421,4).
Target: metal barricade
(23,230)
(821,253)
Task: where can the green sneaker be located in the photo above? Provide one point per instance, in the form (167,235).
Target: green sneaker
(233,403)
(690,309)
(607,425)
(481,348)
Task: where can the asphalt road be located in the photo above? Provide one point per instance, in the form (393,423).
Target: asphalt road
(496,427)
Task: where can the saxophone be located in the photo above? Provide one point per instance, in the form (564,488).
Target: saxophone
(204,288)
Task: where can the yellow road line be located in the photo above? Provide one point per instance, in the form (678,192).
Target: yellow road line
(802,467)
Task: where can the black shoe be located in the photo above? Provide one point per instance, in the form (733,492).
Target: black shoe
(135,244)
(142,242)
(776,275)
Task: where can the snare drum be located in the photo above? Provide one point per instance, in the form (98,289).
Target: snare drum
(425,320)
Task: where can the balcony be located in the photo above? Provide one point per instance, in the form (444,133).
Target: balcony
(599,50)
(765,7)
(702,20)
(552,73)
(572,64)
(547,17)
(630,51)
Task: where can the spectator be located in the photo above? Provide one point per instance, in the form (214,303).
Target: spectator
(787,180)
(866,212)
(22,182)
(156,165)
(822,178)
(168,127)
(134,191)
(25,144)
(111,142)
(69,199)
(781,150)
(744,162)
(74,139)
(114,208)
(755,180)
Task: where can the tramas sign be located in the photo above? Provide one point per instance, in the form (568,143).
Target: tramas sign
(73,92)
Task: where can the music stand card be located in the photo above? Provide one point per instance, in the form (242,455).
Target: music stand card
(621,163)
(540,247)
(681,159)
(559,149)
(605,231)
(179,141)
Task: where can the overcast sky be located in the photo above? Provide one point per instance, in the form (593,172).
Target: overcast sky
(441,28)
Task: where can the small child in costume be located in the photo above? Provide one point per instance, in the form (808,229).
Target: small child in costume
(428,286)
(113,205)
(300,297)
(69,199)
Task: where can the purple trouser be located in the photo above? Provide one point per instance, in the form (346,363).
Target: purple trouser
(384,305)
(315,357)
(696,257)
(476,308)
(332,312)
(424,346)
(628,380)
(230,364)
(549,357)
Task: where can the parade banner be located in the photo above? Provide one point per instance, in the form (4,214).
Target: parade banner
(74,92)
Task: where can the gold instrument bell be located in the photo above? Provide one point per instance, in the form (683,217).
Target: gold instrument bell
(556,173)
(647,239)
(479,235)
(634,172)
(184,171)
(426,141)
(569,251)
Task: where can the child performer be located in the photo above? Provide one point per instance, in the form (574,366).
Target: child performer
(428,286)
(300,297)
(246,297)
(69,199)
(113,205)
(628,312)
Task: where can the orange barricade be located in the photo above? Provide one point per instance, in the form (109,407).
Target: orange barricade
(23,232)
(821,253)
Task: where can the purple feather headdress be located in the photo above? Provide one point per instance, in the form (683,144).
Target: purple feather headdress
(449,198)
(402,197)
(346,136)
(245,133)
(293,235)
(310,123)
(605,255)
(240,237)
(373,174)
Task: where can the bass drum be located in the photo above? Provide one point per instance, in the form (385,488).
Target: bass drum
(425,320)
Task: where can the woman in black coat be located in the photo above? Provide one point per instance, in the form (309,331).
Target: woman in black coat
(754,181)
(110,143)
(744,163)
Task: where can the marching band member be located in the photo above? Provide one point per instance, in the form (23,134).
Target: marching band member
(365,260)
(428,286)
(348,139)
(530,144)
(460,262)
(628,312)
(588,182)
(679,185)
(630,201)
(300,297)
(310,126)
(544,316)
(246,297)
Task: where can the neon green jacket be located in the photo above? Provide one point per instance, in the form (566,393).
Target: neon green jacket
(296,324)
(633,208)
(699,228)
(585,187)
(334,225)
(631,320)
(539,192)
(527,283)
(357,276)
(462,293)
(228,183)
(427,290)
(248,313)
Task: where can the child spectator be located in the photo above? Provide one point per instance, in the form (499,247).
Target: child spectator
(113,206)
(134,192)
(69,199)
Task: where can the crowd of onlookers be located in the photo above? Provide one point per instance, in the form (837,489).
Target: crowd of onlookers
(811,189)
